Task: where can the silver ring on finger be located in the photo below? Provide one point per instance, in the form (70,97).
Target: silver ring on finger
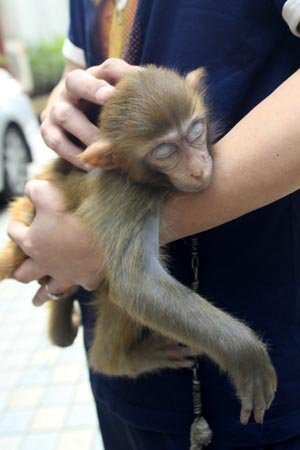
(50,296)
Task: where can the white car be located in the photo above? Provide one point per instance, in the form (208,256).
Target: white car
(21,146)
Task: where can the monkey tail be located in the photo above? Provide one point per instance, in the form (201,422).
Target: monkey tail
(63,319)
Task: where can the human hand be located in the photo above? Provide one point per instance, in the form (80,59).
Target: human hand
(67,113)
(56,243)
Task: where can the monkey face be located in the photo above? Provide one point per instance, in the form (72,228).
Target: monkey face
(154,131)
(183,156)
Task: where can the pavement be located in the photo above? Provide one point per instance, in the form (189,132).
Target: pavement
(45,398)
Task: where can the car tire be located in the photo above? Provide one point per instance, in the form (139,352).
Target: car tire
(16,156)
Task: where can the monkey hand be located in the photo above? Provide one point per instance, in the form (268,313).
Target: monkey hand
(253,376)
(152,354)
(71,104)
(157,352)
(66,255)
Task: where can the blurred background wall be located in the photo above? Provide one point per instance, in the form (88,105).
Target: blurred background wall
(45,398)
(33,21)
(31,38)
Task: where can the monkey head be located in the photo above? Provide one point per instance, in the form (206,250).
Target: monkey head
(154,128)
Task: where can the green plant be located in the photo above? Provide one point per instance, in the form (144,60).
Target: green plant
(3,60)
(47,64)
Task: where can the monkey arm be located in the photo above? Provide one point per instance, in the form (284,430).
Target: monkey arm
(158,301)
(163,304)
(241,159)
(261,151)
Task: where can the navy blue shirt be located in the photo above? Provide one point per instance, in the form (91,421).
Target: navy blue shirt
(250,266)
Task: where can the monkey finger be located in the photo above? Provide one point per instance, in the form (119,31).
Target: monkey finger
(259,404)
(259,410)
(274,381)
(259,414)
(184,364)
(269,394)
(247,404)
(245,415)
(28,271)
(269,401)
(180,352)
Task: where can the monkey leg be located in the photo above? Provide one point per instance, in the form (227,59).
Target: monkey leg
(11,257)
(63,319)
(122,347)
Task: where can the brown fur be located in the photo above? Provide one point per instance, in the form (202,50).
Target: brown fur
(121,209)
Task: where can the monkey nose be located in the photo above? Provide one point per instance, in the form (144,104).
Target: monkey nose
(196,180)
(196,168)
(197,176)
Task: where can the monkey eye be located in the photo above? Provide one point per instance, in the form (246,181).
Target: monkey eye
(195,131)
(164,151)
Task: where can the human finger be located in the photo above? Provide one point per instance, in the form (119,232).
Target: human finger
(45,294)
(28,271)
(73,120)
(112,70)
(19,232)
(42,193)
(58,287)
(40,297)
(82,84)
(57,140)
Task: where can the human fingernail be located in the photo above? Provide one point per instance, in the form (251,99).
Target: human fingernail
(88,167)
(37,301)
(104,93)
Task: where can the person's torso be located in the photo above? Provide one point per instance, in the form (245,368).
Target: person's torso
(250,266)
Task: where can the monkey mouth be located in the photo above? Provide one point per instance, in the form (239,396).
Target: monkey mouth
(199,186)
(196,188)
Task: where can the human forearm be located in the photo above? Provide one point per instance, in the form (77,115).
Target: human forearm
(256,163)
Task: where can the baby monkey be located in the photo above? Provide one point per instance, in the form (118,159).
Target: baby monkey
(154,142)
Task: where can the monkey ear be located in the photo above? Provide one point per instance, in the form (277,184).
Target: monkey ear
(196,78)
(99,154)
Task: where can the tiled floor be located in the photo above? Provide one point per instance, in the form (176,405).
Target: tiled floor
(45,399)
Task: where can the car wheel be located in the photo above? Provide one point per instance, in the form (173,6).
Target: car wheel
(16,156)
